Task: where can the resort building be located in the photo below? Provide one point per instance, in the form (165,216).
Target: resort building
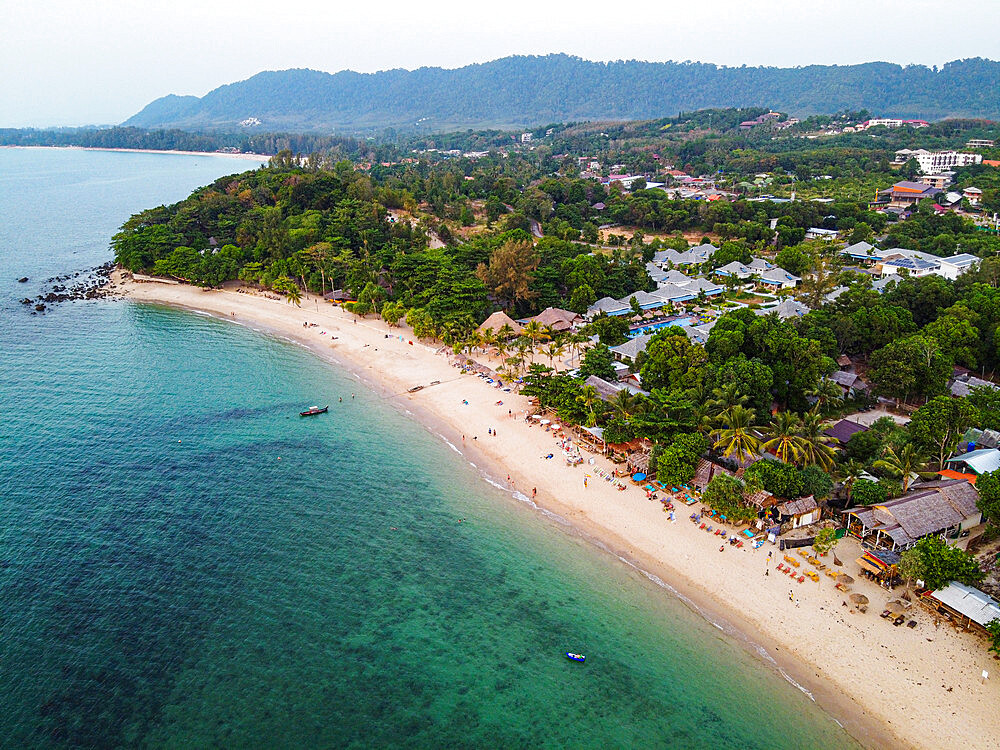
(497,321)
(818,233)
(787,308)
(964,384)
(935,162)
(904,195)
(556,319)
(690,257)
(979,461)
(943,508)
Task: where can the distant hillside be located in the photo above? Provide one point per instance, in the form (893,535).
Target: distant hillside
(522,91)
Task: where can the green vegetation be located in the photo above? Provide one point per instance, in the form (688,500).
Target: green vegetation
(937,563)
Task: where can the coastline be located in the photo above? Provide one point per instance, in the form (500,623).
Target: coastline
(262,158)
(879,682)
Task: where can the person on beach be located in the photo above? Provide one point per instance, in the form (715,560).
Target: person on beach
(585,483)
(534,491)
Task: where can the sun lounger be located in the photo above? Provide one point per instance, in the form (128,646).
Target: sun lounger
(747,533)
(781,567)
(702,526)
(801,579)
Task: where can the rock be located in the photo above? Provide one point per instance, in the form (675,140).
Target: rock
(40,308)
(22,280)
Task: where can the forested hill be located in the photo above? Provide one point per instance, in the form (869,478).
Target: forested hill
(522,91)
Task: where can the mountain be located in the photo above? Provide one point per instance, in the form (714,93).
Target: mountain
(525,91)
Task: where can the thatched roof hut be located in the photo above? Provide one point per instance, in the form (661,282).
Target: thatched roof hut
(497,321)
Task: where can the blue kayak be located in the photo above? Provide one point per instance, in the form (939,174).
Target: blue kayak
(575,657)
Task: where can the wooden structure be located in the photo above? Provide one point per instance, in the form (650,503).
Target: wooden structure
(966,606)
(946,508)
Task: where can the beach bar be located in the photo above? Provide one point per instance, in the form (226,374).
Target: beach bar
(964,605)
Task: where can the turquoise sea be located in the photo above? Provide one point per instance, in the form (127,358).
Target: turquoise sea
(184,562)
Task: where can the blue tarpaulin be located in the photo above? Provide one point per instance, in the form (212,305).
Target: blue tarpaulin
(638,477)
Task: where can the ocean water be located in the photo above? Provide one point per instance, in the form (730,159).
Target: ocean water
(185,562)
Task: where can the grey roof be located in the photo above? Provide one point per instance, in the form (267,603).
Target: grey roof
(631,348)
(963,386)
(787,308)
(860,249)
(982,438)
(920,513)
(670,292)
(673,276)
(980,461)
(961,260)
(978,606)
(778,276)
(759,264)
(607,305)
(734,268)
(698,334)
(605,390)
(701,284)
(845,379)
(798,506)
(644,299)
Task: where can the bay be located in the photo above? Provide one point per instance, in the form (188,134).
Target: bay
(185,562)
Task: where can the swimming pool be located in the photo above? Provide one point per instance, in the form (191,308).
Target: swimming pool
(653,327)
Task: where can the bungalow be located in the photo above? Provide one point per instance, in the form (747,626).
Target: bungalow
(942,508)
(787,308)
(861,251)
(967,606)
(973,195)
(979,461)
(608,306)
(779,278)
(692,256)
(497,321)
(818,233)
(801,511)
(850,383)
(645,300)
(628,351)
(842,431)
(963,385)
(608,391)
(556,319)
(954,266)
(912,266)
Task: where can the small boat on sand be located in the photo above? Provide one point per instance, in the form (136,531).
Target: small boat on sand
(575,657)
(313,410)
(414,389)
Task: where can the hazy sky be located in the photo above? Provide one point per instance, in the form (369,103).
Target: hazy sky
(98,62)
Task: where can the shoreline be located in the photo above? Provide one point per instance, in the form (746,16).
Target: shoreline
(878,696)
(246,157)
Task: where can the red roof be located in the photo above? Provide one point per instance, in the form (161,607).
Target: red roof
(950,474)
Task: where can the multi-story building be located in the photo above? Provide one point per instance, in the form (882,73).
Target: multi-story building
(935,162)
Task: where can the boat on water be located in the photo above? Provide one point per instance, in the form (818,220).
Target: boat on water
(313,410)
(575,657)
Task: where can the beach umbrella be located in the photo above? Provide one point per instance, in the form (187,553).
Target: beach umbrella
(638,476)
(545,421)
(859,599)
(536,416)
(896,607)
(844,578)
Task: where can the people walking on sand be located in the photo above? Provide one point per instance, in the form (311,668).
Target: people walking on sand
(585,483)
(534,491)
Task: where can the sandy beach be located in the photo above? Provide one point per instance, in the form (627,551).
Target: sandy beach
(258,158)
(889,686)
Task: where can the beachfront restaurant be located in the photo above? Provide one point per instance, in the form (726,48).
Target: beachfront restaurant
(946,508)
(881,566)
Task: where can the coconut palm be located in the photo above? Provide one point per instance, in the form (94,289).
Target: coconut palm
(506,332)
(293,295)
(553,350)
(625,404)
(725,398)
(588,397)
(902,463)
(816,448)
(784,439)
(735,435)
(535,331)
(827,393)
(850,472)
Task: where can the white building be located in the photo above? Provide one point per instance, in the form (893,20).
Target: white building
(525,137)
(935,162)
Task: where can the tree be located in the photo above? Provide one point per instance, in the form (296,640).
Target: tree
(988,485)
(582,298)
(915,366)
(677,462)
(993,628)
(816,444)
(598,361)
(780,479)
(783,437)
(393,312)
(816,482)
(825,540)
(867,492)
(938,425)
(421,322)
(509,273)
(672,361)
(725,494)
(903,463)
(736,434)
(987,401)
(588,397)
(938,563)
(611,330)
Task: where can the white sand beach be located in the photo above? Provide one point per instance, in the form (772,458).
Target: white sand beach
(889,686)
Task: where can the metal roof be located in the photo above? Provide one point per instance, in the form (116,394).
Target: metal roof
(980,461)
(970,602)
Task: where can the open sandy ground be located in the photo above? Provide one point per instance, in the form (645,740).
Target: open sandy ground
(889,686)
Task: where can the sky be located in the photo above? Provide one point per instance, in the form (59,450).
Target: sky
(97,62)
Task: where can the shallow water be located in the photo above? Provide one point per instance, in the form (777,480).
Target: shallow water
(186,562)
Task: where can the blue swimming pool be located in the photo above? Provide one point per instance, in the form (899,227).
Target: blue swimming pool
(653,327)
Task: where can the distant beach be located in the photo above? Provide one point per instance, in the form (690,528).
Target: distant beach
(261,158)
(880,682)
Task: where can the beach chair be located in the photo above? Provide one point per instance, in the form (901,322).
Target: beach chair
(702,526)
(781,567)
(709,529)
(801,579)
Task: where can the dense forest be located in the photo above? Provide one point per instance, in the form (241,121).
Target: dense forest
(524,91)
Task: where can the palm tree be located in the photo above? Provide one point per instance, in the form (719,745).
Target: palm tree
(624,403)
(826,392)
(725,398)
(506,332)
(902,463)
(588,397)
(736,434)
(293,295)
(553,350)
(816,447)
(784,439)
(851,471)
